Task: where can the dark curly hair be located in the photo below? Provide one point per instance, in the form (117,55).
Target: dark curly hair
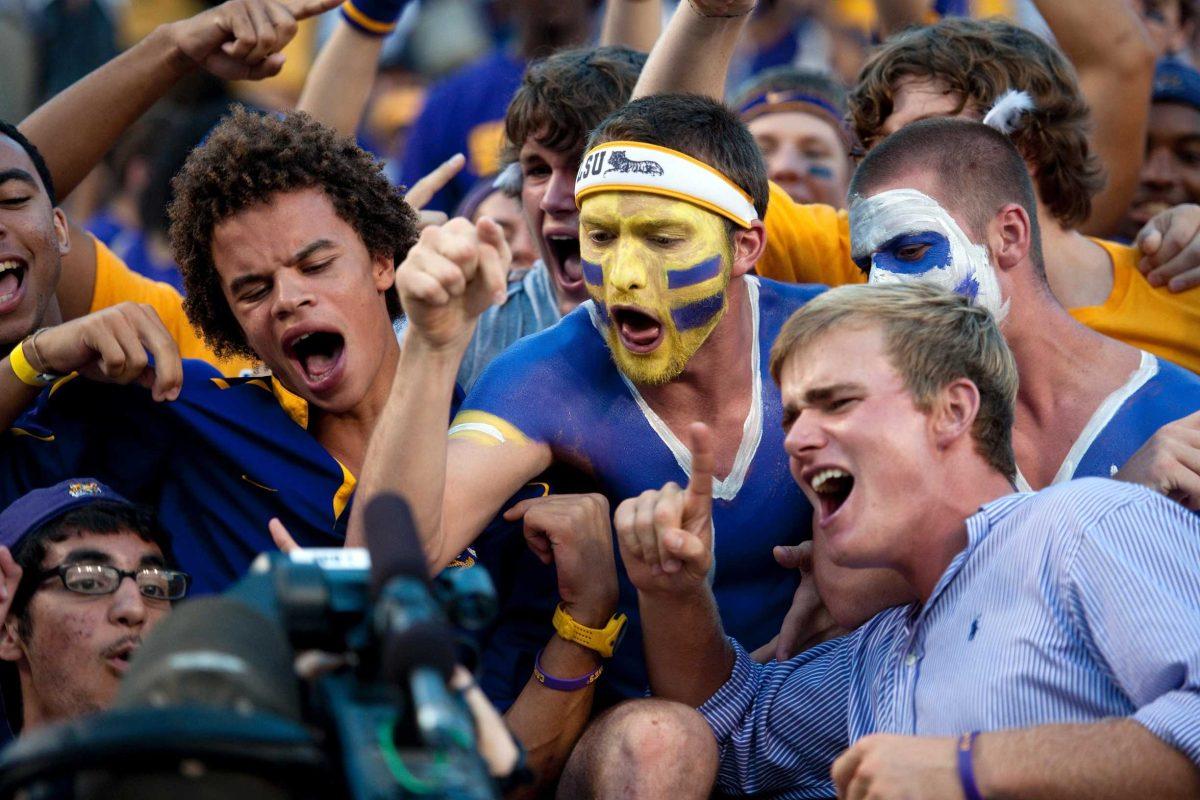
(247,159)
(979,60)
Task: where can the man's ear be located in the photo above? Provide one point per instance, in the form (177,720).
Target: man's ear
(62,232)
(748,246)
(1011,236)
(954,412)
(10,640)
(383,273)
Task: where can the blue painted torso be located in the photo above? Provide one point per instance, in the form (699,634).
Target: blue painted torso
(561,387)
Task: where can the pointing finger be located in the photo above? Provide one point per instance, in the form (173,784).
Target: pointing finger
(279,534)
(303,9)
(703,462)
(421,192)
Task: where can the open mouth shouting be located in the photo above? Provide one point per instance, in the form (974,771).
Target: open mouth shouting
(319,356)
(565,266)
(12,283)
(640,331)
(832,487)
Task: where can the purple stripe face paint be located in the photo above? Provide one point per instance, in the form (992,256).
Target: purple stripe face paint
(593,274)
(704,271)
(693,315)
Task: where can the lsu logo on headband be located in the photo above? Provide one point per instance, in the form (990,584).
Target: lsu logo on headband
(640,167)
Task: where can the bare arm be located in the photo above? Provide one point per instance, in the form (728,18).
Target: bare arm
(238,40)
(694,53)
(665,537)
(449,277)
(574,533)
(635,24)
(1115,63)
(341,78)
(1110,759)
(1106,760)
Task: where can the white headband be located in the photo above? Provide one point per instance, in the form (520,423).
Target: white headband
(640,167)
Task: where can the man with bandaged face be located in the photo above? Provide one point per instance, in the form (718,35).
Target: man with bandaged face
(671,193)
(948,202)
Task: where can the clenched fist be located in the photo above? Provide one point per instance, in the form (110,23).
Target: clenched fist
(451,275)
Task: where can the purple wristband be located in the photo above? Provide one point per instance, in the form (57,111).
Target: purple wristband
(563,684)
(966,765)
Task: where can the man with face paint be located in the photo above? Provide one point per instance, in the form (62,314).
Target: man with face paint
(949,203)
(1082,121)
(675,330)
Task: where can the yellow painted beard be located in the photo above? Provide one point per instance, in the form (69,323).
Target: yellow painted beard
(667,361)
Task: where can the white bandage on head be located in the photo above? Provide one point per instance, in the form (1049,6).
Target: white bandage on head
(640,167)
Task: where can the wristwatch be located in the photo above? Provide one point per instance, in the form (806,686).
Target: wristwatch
(603,640)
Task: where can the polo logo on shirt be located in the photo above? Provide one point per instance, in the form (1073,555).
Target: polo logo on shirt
(974,630)
(253,482)
(84,489)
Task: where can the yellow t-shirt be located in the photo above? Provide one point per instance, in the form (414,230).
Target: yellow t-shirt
(806,243)
(117,283)
(1155,319)
(811,244)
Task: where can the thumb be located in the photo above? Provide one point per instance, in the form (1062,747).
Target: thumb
(1150,238)
(796,556)
(494,267)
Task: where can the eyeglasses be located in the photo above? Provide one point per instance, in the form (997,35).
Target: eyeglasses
(99,579)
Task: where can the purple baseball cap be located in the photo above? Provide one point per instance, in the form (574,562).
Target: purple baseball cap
(40,506)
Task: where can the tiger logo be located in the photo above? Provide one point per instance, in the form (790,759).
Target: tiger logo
(619,162)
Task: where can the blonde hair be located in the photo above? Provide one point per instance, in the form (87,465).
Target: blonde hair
(934,337)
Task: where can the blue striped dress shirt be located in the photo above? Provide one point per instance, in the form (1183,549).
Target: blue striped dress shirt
(1072,604)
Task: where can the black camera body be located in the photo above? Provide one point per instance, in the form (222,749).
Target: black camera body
(212,705)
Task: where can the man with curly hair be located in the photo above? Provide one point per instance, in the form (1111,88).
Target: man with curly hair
(287,236)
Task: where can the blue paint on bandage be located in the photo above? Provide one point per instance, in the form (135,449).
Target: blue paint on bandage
(968,287)
(936,255)
(693,315)
(592,273)
(690,276)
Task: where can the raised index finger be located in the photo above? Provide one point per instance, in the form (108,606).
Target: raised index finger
(303,9)
(423,190)
(703,462)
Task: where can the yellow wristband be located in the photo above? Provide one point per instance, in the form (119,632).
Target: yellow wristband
(24,370)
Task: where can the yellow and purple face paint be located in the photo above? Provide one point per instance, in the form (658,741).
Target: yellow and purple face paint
(657,269)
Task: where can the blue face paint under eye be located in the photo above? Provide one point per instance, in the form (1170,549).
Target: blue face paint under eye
(936,255)
(592,273)
(820,171)
(699,273)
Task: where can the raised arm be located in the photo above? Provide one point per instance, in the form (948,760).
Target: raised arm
(694,53)
(339,83)
(635,24)
(1115,63)
(237,40)
(448,279)
(665,537)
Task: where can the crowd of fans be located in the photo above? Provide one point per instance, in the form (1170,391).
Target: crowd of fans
(817,379)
